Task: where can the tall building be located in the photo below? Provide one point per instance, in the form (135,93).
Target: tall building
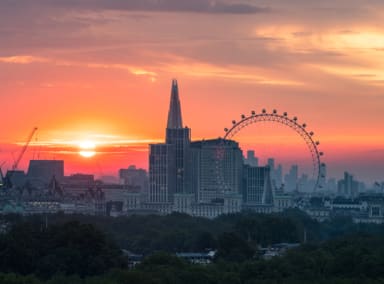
(279,176)
(271,164)
(291,179)
(161,173)
(168,162)
(348,187)
(180,137)
(217,169)
(251,159)
(257,186)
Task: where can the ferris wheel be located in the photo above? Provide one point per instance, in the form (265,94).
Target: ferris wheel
(318,170)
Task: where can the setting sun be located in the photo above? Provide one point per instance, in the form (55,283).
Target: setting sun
(87,149)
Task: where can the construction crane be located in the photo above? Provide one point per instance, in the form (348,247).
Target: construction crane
(7,180)
(17,161)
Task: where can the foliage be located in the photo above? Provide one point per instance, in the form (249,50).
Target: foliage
(71,248)
(69,251)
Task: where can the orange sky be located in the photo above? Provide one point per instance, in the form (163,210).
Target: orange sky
(101,71)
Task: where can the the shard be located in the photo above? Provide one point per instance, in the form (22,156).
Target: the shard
(175,120)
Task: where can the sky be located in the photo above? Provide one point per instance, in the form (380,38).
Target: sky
(100,72)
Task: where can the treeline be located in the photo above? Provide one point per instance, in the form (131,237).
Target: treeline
(179,232)
(183,233)
(354,259)
(56,249)
(71,248)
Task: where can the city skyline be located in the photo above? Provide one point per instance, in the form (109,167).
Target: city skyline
(100,72)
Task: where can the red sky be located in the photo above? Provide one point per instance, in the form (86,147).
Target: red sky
(101,71)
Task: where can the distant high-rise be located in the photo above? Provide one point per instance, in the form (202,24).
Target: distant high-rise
(251,160)
(291,179)
(257,186)
(348,187)
(180,137)
(279,176)
(161,173)
(168,162)
(175,119)
(217,169)
(271,164)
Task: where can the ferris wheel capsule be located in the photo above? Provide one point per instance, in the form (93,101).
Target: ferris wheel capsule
(233,121)
(253,113)
(264,111)
(226,129)
(242,116)
(274,111)
(285,114)
(295,118)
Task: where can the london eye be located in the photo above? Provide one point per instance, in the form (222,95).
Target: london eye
(318,168)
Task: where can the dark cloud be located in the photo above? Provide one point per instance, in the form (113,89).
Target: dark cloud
(191,6)
(195,6)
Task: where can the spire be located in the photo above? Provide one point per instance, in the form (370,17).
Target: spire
(174,114)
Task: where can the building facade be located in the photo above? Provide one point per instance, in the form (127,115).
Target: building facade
(217,169)
(257,188)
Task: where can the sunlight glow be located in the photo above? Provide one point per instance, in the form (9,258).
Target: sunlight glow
(87,149)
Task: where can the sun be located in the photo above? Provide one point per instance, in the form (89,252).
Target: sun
(87,149)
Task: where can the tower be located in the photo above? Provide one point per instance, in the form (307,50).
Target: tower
(180,138)
(168,162)
(175,120)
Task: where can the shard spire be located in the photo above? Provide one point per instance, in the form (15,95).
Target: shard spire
(174,115)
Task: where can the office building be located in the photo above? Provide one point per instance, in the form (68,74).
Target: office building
(348,187)
(257,188)
(217,169)
(134,179)
(251,159)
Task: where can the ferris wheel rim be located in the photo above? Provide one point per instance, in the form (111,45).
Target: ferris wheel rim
(292,123)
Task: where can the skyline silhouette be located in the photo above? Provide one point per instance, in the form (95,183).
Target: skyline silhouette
(100,71)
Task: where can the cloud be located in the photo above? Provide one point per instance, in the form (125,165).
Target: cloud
(29,59)
(22,59)
(191,6)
